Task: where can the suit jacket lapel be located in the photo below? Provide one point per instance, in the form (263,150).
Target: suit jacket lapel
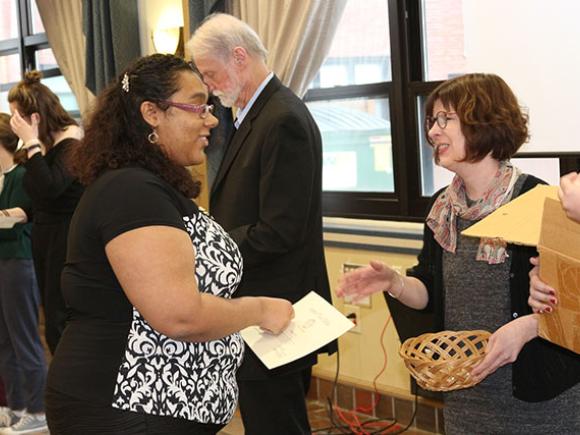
(239,136)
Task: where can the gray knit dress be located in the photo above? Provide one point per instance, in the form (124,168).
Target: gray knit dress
(477,297)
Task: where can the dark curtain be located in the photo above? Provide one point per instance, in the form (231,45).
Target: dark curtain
(2,394)
(111,28)
(199,9)
(220,136)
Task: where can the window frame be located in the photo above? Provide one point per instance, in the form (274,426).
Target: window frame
(26,44)
(407,85)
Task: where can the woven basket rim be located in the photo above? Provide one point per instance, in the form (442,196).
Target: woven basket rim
(429,373)
(434,335)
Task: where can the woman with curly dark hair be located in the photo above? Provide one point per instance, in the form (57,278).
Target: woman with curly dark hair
(475,125)
(152,343)
(48,133)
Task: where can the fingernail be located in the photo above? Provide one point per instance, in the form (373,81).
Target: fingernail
(548,309)
(552,292)
(553,301)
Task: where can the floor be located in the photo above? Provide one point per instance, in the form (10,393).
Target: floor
(321,425)
(319,421)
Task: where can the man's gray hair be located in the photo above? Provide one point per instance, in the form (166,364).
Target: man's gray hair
(219,34)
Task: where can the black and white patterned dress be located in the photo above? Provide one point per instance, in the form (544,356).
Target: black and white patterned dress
(195,381)
(109,354)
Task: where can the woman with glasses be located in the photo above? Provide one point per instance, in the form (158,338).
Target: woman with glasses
(152,344)
(528,385)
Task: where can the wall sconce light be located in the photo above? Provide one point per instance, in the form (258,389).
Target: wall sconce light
(168,40)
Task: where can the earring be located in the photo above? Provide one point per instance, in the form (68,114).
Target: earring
(153,137)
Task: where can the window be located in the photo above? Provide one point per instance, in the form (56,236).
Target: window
(350,101)
(24,47)
(444,40)
(357,153)
(456,40)
(9,27)
(388,55)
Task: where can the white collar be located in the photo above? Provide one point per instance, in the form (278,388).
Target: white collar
(243,112)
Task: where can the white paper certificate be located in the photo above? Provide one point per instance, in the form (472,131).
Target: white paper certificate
(315,324)
(9,221)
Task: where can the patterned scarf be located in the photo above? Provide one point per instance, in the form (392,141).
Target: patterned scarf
(451,203)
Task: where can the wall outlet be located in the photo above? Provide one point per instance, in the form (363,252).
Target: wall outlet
(352,313)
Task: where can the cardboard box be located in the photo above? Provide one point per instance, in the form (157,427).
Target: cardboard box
(559,249)
(537,219)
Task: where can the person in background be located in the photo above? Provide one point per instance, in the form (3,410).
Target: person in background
(48,133)
(569,193)
(22,362)
(151,346)
(267,195)
(528,385)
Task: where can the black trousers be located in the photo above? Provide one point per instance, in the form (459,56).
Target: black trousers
(49,253)
(69,416)
(276,405)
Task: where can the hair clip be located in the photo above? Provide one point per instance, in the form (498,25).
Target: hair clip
(125,82)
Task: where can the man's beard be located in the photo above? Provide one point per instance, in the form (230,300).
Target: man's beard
(228,99)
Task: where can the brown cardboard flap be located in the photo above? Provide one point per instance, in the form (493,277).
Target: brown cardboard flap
(559,249)
(518,221)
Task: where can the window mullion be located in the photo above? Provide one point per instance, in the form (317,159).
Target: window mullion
(399,66)
(22,29)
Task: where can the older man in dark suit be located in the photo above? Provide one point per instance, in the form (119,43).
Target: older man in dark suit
(267,195)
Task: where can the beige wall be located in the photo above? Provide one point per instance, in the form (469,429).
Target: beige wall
(361,355)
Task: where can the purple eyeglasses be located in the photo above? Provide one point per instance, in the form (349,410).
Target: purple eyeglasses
(202,109)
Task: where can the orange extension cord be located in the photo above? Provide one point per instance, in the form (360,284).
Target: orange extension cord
(351,419)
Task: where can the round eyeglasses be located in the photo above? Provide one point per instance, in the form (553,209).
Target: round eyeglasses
(202,109)
(440,118)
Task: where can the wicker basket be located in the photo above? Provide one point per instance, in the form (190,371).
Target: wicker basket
(442,361)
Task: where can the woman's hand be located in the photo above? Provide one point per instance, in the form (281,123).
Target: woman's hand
(364,281)
(276,314)
(25,130)
(505,345)
(569,193)
(542,296)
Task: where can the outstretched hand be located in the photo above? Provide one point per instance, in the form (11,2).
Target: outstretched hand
(364,281)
